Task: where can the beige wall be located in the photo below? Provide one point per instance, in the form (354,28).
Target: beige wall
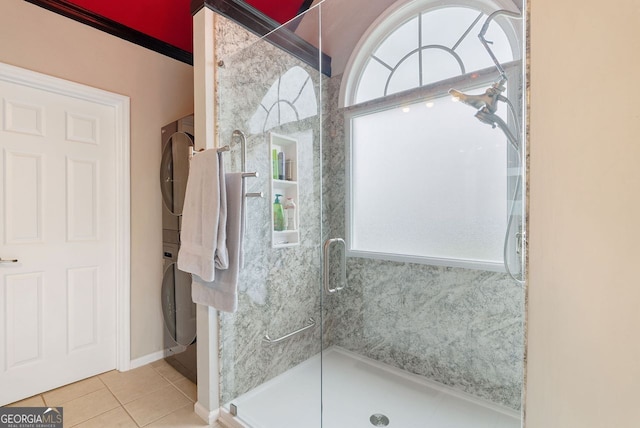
(161,90)
(584,286)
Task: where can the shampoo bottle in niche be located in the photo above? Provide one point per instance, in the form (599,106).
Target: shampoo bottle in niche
(274,164)
(278,214)
(281,165)
(290,210)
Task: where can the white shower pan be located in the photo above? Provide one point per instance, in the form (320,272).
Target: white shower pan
(361,393)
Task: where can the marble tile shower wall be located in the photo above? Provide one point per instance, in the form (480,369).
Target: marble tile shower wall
(279,288)
(460,327)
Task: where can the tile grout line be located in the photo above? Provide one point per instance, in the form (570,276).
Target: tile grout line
(110,392)
(174,385)
(163,416)
(119,402)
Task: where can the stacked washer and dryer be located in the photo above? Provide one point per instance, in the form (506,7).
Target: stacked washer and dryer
(178,310)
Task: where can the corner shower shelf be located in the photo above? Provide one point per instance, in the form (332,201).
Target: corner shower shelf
(286,188)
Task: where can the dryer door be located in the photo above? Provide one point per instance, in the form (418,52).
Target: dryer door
(178,310)
(174,170)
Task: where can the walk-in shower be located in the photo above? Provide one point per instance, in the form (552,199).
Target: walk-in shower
(387,301)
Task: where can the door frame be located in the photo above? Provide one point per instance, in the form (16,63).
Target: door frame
(121,106)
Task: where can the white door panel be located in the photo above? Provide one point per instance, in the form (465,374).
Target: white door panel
(58,218)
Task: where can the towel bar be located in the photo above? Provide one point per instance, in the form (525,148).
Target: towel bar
(219,150)
(243,160)
(310,324)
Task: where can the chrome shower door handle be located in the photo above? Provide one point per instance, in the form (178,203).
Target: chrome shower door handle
(326,265)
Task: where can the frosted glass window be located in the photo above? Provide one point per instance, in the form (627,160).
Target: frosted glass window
(428,181)
(373,81)
(406,76)
(402,41)
(445,26)
(438,65)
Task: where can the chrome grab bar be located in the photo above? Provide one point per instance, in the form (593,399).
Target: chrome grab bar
(243,147)
(243,161)
(326,267)
(8,260)
(310,324)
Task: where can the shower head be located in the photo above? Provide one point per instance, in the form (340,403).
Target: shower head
(488,100)
(487,105)
(475,101)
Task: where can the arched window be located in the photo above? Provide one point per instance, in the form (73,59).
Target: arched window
(427,181)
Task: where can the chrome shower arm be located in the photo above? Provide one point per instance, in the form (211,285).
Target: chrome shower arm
(486,43)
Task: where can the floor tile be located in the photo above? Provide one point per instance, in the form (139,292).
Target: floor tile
(156,405)
(58,397)
(116,418)
(88,406)
(188,388)
(167,371)
(131,385)
(35,401)
(150,399)
(158,363)
(184,417)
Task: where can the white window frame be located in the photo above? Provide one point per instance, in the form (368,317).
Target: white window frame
(483,78)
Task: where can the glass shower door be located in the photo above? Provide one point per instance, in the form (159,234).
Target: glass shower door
(420,335)
(270,348)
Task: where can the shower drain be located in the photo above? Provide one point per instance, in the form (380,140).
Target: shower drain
(378,420)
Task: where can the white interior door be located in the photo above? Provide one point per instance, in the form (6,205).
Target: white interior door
(58,220)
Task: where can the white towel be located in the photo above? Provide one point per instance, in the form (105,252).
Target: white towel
(204,215)
(222,293)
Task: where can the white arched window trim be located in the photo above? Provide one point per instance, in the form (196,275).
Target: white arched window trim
(400,12)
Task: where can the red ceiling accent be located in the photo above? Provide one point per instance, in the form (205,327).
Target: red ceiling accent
(170,20)
(166,20)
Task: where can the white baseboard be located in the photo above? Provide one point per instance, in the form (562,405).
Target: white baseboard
(147,359)
(208,416)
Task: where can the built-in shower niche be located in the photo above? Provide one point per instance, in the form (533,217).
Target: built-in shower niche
(283,152)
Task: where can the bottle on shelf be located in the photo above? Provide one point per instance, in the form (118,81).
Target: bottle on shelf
(281,163)
(278,214)
(274,164)
(290,210)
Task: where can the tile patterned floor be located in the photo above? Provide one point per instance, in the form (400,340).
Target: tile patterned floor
(155,395)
